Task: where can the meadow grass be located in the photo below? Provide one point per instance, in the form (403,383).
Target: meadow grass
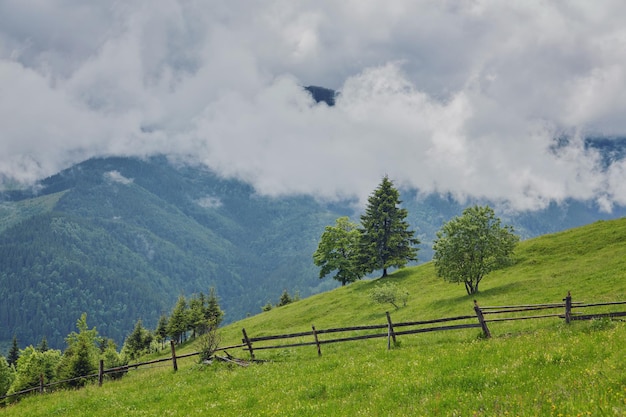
(528,368)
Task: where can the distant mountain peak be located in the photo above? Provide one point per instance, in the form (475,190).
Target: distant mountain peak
(322,94)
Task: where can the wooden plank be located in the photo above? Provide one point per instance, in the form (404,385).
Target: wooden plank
(523,317)
(613,303)
(390,331)
(549,305)
(286,346)
(317,342)
(440,328)
(598,316)
(174,363)
(248,343)
(521,309)
(418,323)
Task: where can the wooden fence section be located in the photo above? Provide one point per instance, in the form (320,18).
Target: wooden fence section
(519,312)
(495,313)
(392,330)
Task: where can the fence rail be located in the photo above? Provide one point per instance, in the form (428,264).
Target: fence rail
(251,344)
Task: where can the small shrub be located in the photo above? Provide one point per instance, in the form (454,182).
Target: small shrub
(285,299)
(389,293)
(209,342)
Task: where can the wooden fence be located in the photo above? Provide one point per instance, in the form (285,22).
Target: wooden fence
(480,319)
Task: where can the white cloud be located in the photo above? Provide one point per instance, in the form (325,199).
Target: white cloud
(453,97)
(116,176)
(209,202)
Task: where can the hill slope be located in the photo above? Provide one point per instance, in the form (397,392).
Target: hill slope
(121,238)
(529,368)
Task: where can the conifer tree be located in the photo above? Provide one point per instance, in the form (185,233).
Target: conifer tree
(161,330)
(386,240)
(138,341)
(285,299)
(43,346)
(196,315)
(177,323)
(14,353)
(213,313)
(81,355)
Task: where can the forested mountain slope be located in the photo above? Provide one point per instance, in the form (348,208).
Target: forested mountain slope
(122,238)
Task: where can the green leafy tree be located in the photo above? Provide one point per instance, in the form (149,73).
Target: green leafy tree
(31,364)
(178,322)
(389,293)
(14,352)
(470,246)
(338,251)
(112,359)
(6,376)
(386,240)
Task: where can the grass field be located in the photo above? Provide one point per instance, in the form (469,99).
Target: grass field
(528,368)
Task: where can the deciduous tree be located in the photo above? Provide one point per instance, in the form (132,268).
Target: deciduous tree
(6,376)
(338,251)
(470,246)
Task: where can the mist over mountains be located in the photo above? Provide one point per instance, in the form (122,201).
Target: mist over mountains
(122,238)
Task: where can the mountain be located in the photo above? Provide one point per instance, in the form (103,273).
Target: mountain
(122,238)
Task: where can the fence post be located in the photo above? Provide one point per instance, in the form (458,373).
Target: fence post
(174,363)
(247,342)
(317,342)
(481,320)
(101,372)
(390,331)
(568,307)
(41,383)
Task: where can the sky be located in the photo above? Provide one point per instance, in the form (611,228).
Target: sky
(468,97)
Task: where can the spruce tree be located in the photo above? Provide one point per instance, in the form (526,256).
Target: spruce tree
(285,299)
(161,330)
(177,323)
(14,353)
(81,355)
(213,313)
(138,341)
(386,240)
(43,346)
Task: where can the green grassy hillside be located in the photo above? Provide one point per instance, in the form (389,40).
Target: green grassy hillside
(528,368)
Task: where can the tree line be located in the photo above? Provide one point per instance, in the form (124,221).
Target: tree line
(466,249)
(21,368)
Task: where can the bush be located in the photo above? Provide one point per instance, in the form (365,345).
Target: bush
(209,342)
(389,293)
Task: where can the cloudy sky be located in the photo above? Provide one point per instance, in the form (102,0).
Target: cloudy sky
(465,97)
